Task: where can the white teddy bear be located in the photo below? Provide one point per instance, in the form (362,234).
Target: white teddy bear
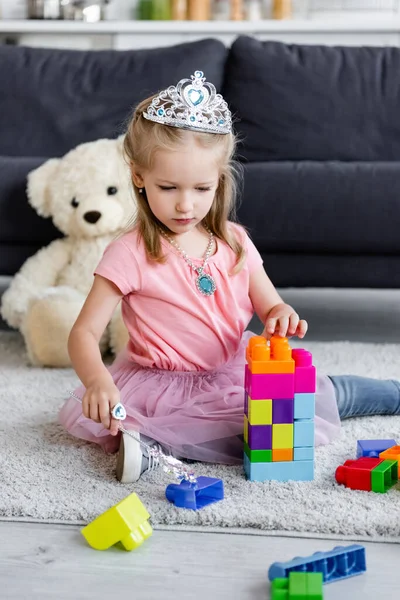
(87,194)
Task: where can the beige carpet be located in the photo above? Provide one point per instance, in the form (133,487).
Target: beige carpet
(46,475)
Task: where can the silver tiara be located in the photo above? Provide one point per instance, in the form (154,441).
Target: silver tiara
(192,104)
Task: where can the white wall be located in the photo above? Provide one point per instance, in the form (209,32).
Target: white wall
(13,9)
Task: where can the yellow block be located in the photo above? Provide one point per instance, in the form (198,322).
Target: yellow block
(246,430)
(260,412)
(392,453)
(282,436)
(126,522)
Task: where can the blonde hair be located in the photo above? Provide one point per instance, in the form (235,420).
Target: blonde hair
(142,140)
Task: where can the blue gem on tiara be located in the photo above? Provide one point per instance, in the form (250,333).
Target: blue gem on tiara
(192,104)
(195,96)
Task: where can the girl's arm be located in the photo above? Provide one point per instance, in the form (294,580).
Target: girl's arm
(83,343)
(83,347)
(272,311)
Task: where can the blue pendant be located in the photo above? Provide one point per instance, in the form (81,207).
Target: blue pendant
(205,284)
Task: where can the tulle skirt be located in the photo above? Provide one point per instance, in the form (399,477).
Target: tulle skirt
(194,415)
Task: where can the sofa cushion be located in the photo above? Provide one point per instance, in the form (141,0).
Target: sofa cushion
(297,270)
(22,231)
(322,208)
(314,102)
(52,100)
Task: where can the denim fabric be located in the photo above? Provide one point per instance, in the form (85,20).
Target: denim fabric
(362,396)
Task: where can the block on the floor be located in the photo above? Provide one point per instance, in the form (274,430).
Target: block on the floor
(373,448)
(392,453)
(125,523)
(384,476)
(205,491)
(340,563)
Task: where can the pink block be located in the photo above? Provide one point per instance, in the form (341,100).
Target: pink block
(305,372)
(246,377)
(270,386)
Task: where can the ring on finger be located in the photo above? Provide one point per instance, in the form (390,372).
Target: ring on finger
(118,412)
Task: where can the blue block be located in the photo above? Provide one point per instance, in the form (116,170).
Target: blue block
(373,448)
(299,470)
(303,433)
(304,406)
(340,563)
(303,453)
(206,490)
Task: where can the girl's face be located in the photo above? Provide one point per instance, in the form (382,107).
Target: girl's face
(181,185)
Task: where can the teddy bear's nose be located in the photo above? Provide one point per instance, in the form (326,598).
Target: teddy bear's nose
(92,216)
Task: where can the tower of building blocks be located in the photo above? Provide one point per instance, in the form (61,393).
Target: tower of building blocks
(279,411)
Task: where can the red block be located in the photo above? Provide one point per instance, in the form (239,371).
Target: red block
(356,474)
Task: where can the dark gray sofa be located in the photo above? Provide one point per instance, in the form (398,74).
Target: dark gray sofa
(320,145)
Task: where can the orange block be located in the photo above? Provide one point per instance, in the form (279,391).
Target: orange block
(392,453)
(282,454)
(274,357)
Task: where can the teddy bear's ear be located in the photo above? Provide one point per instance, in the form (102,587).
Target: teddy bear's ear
(120,143)
(38,186)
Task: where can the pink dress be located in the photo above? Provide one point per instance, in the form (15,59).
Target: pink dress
(181,377)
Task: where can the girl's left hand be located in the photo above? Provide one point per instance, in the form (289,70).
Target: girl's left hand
(283,320)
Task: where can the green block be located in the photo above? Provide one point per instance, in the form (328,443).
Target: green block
(314,586)
(279,589)
(258,455)
(384,476)
(297,586)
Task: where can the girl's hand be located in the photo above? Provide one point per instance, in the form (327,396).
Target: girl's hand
(283,320)
(98,401)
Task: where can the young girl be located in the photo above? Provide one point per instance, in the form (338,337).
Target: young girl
(189,279)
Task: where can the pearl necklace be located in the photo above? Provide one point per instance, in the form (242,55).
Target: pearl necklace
(204,282)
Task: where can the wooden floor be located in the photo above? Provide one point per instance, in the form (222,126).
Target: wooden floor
(53,562)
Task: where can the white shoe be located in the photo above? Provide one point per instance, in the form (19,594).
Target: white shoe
(133,459)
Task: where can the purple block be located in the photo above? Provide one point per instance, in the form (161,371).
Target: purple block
(283,410)
(260,437)
(268,386)
(305,373)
